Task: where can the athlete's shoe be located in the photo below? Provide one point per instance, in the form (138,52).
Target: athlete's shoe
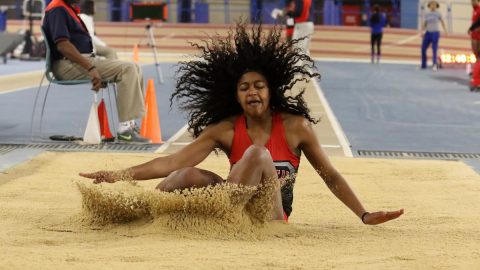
(474,88)
(131,136)
(434,67)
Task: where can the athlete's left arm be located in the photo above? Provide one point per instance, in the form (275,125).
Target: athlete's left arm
(309,144)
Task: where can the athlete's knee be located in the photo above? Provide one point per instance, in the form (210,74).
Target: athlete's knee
(256,154)
(170,183)
(190,174)
(178,179)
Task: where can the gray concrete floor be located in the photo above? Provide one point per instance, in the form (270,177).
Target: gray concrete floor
(398,107)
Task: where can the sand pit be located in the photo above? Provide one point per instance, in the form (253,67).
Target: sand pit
(43,225)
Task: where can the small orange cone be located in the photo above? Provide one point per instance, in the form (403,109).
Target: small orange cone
(135,53)
(151,121)
(103,118)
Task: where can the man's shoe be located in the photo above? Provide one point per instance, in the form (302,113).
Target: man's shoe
(131,136)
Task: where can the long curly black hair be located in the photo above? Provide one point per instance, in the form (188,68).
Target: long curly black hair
(206,88)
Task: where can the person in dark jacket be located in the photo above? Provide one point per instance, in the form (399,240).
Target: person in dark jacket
(377,22)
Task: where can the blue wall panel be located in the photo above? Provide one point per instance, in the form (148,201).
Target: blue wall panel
(409,14)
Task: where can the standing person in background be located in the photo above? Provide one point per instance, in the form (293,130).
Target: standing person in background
(377,22)
(87,10)
(475,37)
(289,21)
(300,12)
(296,14)
(431,33)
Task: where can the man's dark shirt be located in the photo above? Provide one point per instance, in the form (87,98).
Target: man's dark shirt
(59,25)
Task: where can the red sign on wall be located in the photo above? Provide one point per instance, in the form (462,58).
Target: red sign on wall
(351,15)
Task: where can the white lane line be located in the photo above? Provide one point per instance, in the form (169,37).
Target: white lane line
(389,45)
(333,120)
(180,143)
(168,36)
(172,139)
(402,41)
(331,146)
(364,60)
(26,73)
(17,89)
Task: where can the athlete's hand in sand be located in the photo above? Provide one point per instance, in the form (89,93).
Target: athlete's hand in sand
(100,176)
(381,217)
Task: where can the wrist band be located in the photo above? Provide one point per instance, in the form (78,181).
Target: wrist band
(92,68)
(363,216)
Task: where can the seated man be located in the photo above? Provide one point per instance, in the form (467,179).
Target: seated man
(73,59)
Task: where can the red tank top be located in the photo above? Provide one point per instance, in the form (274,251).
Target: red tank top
(285,161)
(475,17)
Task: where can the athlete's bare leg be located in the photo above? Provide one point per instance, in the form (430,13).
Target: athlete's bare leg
(189,178)
(475,80)
(476,47)
(256,167)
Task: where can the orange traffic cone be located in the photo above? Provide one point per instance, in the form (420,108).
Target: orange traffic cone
(151,122)
(104,125)
(135,53)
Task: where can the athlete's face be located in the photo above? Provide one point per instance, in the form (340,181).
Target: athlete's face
(253,94)
(432,5)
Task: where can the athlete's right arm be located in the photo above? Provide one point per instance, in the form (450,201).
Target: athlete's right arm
(189,156)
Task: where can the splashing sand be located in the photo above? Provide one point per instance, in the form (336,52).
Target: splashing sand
(224,210)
